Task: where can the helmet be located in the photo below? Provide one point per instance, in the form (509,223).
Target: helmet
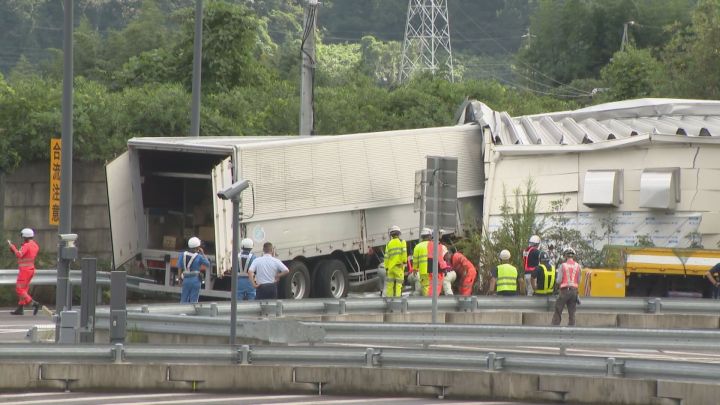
(535,239)
(569,251)
(426,232)
(394,229)
(27,233)
(246,243)
(505,254)
(193,242)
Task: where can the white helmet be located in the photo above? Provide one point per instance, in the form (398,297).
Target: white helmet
(535,239)
(505,254)
(426,232)
(193,242)
(569,251)
(27,233)
(246,243)
(394,229)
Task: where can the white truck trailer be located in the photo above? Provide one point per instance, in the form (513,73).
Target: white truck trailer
(325,202)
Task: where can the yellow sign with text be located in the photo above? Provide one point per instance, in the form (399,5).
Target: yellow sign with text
(55,159)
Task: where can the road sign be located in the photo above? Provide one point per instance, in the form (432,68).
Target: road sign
(442,170)
(55,159)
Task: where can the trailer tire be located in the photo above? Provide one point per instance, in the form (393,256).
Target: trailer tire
(331,279)
(296,285)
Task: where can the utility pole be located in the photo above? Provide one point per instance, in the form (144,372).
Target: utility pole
(625,39)
(307,83)
(197,70)
(427,39)
(66,246)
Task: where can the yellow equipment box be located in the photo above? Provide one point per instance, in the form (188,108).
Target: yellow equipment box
(602,283)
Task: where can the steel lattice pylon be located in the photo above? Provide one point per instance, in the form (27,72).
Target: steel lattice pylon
(427,39)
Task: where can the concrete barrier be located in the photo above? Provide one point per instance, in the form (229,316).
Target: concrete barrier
(353,318)
(582,319)
(485,318)
(365,381)
(668,321)
(413,317)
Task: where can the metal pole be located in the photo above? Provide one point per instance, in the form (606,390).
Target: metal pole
(307,77)
(436,242)
(197,70)
(235,269)
(63,298)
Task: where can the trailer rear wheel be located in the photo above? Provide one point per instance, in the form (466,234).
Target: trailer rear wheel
(332,279)
(295,285)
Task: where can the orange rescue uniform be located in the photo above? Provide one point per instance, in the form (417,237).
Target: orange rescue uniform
(26,266)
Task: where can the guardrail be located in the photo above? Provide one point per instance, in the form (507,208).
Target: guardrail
(49,277)
(424,304)
(303,332)
(370,356)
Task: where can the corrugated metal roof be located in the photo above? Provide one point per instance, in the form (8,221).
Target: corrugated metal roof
(601,123)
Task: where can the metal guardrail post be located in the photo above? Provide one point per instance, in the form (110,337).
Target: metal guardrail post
(395,305)
(615,368)
(372,357)
(211,311)
(244,352)
(118,307)
(494,363)
(145,309)
(69,326)
(467,304)
(266,308)
(654,305)
(335,307)
(118,352)
(88,284)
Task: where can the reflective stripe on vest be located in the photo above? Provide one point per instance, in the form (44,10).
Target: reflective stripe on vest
(526,256)
(548,279)
(507,278)
(570,270)
(420,257)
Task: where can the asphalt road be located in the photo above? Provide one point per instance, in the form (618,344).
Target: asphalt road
(13,328)
(38,398)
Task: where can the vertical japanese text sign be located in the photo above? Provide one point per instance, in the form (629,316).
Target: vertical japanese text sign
(55,157)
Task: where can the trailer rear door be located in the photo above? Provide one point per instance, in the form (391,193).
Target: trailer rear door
(125,215)
(221,179)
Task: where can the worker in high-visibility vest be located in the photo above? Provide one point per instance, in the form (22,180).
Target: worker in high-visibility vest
(466,271)
(504,279)
(395,261)
(26,270)
(531,260)
(420,262)
(568,278)
(543,278)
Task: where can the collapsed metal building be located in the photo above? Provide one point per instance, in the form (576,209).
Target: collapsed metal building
(651,166)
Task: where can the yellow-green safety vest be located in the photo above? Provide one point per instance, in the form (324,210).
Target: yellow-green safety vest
(548,279)
(420,257)
(395,254)
(507,277)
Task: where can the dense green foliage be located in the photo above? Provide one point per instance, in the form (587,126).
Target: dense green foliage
(133,65)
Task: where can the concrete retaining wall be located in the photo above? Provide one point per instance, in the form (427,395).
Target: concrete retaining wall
(26,204)
(354,380)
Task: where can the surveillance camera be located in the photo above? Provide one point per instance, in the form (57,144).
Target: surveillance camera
(233,192)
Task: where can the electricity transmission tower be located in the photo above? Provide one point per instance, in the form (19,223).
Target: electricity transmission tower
(427,39)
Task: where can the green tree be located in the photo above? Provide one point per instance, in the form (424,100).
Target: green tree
(633,73)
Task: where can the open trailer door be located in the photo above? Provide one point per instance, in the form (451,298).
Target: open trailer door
(126,217)
(222,179)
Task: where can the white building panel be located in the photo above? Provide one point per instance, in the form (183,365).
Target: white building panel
(707,179)
(675,156)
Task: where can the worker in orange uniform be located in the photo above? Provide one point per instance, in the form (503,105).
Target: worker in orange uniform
(26,270)
(443,269)
(466,271)
(568,277)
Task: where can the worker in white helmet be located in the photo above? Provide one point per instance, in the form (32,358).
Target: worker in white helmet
(26,270)
(245,287)
(396,258)
(420,263)
(531,260)
(504,276)
(192,263)
(569,277)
